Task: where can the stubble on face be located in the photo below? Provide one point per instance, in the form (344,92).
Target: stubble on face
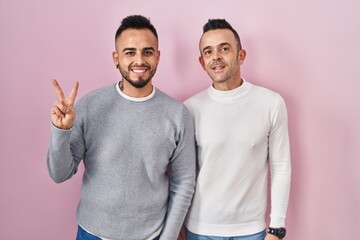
(137,56)
(140,82)
(227,73)
(219,56)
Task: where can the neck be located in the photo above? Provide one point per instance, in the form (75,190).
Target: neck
(228,85)
(134,92)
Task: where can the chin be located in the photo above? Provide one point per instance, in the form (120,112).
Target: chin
(140,83)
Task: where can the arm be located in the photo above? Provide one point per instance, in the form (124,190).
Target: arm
(182,180)
(61,164)
(280,165)
(271,237)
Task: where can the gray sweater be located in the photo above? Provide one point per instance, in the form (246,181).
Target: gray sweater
(126,147)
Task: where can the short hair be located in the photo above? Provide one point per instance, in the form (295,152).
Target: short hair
(136,22)
(214,24)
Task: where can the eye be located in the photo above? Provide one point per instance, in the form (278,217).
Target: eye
(148,53)
(130,53)
(207,52)
(225,49)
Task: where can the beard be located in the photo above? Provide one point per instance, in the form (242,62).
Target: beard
(140,82)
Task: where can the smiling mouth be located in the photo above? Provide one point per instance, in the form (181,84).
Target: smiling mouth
(218,68)
(139,71)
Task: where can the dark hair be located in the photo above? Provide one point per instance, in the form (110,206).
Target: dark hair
(214,24)
(136,22)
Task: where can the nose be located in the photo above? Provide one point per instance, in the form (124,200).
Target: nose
(217,55)
(139,59)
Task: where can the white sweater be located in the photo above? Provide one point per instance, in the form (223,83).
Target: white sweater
(238,133)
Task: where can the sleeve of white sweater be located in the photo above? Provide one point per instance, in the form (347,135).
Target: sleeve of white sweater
(280,164)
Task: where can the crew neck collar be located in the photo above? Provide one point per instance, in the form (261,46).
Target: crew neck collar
(134,99)
(229,96)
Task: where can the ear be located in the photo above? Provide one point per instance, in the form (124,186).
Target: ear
(241,56)
(115,56)
(157,56)
(201,60)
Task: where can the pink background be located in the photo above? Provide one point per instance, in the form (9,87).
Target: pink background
(308,51)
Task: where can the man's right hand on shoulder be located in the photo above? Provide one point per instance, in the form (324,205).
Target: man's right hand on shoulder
(62,112)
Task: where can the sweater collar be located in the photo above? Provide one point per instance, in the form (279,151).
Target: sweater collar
(230,96)
(133,99)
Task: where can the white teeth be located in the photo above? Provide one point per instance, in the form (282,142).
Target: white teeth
(138,71)
(217,68)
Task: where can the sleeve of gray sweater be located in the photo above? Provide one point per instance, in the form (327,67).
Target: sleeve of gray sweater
(66,150)
(182,181)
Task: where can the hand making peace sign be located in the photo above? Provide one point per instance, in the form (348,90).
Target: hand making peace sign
(62,112)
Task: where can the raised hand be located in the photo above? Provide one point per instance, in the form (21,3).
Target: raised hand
(62,112)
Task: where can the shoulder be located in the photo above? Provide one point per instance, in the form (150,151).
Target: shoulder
(263,91)
(196,99)
(97,95)
(265,95)
(266,98)
(167,101)
(100,92)
(171,106)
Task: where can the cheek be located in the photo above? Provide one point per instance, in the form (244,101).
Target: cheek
(206,63)
(125,62)
(153,61)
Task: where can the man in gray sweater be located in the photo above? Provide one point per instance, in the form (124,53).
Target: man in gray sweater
(129,135)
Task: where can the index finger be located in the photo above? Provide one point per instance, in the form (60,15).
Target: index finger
(58,89)
(74,92)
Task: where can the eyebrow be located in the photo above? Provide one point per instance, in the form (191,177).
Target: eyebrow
(149,48)
(134,49)
(221,45)
(129,49)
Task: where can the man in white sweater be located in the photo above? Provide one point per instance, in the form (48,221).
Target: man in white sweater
(241,130)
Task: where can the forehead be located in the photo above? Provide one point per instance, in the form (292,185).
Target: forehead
(136,38)
(213,38)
